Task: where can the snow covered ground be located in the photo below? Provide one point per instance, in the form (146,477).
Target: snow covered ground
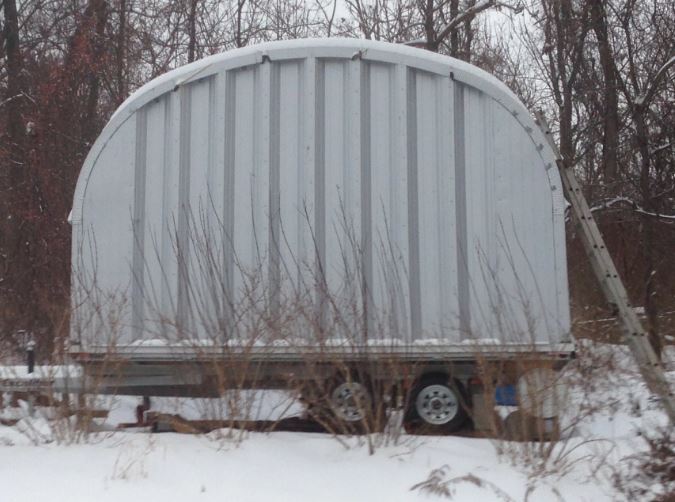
(37,464)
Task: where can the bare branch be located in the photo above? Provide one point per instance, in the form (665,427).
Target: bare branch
(643,100)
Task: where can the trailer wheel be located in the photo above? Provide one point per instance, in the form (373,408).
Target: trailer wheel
(435,406)
(351,401)
(344,405)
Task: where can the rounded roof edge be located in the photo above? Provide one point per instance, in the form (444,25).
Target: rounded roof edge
(323,47)
(351,48)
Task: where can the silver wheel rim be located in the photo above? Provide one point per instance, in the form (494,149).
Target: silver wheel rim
(437,404)
(350,401)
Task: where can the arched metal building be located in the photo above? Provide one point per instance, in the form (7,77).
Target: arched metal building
(357,184)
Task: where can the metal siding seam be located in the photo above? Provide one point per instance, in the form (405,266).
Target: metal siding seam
(242,236)
(154,170)
(215,149)
(496,307)
(352,198)
(542,329)
(183,244)
(228,194)
(444,222)
(290,166)
(260,135)
(352,132)
(366,208)
(320,188)
(561,276)
(168,224)
(387,56)
(215,202)
(413,207)
(334,166)
(503,211)
(461,215)
(393,237)
(138,260)
(306,202)
(296,248)
(274,187)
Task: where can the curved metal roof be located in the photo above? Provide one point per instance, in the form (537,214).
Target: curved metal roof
(341,48)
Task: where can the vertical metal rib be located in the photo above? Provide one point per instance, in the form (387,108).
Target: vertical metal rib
(461,215)
(444,201)
(167,252)
(320,183)
(228,195)
(211,225)
(138,257)
(184,215)
(305,180)
(366,209)
(215,129)
(274,187)
(300,177)
(413,208)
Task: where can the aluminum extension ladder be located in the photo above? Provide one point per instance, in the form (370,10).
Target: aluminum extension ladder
(603,266)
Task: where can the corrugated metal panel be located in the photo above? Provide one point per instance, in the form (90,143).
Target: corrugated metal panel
(368,188)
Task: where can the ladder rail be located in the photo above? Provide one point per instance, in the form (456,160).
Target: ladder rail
(605,270)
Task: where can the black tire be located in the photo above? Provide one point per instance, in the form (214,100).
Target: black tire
(436,405)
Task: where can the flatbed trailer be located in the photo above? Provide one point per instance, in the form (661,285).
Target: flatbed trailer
(161,371)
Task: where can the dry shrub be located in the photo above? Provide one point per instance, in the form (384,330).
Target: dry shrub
(61,402)
(549,447)
(440,483)
(44,411)
(285,326)
(292,332)
(650,474)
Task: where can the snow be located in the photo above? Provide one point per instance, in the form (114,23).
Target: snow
(608,409)
(279,467)
(632,204)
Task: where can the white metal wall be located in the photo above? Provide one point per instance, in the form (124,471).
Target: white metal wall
(249,177)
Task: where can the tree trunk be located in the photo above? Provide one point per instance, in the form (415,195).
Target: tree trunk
(120,56)
(15,174)
(13,55)
(562,21)
(16,277)
(648,237)
(99,13)
(454,35)
(192,31)
(429,29)
(610,93)
(468,33)
(239,38)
